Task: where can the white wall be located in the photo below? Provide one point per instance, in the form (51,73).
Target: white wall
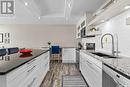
(116,25)
(91,40)
(36,36)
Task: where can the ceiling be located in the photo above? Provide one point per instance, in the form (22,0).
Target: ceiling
(51,11)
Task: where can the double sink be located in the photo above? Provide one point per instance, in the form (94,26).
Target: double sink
(104,55)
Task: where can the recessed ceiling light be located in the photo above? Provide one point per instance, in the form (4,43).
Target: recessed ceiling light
(69,5)
(39,17)
(127,7)
(26,4)
(69,2)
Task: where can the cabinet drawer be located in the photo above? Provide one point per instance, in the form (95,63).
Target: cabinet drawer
(95,74)
(31,81)
(18,81)
(92,59)
(32,62)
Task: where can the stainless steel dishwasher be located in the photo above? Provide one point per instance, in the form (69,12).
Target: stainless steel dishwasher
(114,78)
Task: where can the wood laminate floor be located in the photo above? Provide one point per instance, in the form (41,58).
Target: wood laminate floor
(57,70)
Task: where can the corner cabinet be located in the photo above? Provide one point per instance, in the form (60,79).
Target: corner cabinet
(69,55)
(91,69)
(30,74)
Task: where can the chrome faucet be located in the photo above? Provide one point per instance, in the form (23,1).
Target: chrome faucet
(113,47)
(117,46)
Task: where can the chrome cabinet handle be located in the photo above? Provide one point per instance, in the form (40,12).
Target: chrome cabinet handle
(89,62)
(31,69)
(118,76)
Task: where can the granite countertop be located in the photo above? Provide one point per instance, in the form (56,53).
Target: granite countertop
(13,61)
(121,64)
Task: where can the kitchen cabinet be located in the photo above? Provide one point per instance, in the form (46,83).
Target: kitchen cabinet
(91,69)
(81,27)
(108,10)
(69,55)
(30,74)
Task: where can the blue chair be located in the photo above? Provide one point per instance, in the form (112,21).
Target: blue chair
(13,50)
(55,53)
(3,52)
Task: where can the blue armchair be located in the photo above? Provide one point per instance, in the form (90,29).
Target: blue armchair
(55,52)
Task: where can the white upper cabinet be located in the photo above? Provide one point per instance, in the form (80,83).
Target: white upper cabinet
(83,30)
(109,10)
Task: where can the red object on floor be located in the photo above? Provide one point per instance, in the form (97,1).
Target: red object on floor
(25,51)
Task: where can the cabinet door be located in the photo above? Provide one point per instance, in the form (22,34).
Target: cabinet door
(16,73)
(69,55)
(18,81)
(31,81)
(88,74)
(91,72)
(85,70)
(94,75)
(44,67)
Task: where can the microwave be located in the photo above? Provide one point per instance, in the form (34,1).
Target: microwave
(90,46)
(83,32)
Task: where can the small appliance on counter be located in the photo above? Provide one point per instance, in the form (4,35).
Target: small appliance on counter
(90,46)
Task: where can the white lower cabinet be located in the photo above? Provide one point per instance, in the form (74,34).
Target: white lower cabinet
(30,74)
(69,55)
(31,81)
(91,69)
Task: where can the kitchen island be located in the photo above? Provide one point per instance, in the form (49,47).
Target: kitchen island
(18,70)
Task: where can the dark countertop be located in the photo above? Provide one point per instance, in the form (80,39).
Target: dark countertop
(61,47)
(13,61)
(121,64)
(68,47)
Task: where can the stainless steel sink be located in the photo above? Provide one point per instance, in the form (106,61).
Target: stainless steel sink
(104,55)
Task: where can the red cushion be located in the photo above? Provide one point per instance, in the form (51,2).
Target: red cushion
(25,51)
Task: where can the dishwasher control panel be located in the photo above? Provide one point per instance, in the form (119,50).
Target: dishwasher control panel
(119,79)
